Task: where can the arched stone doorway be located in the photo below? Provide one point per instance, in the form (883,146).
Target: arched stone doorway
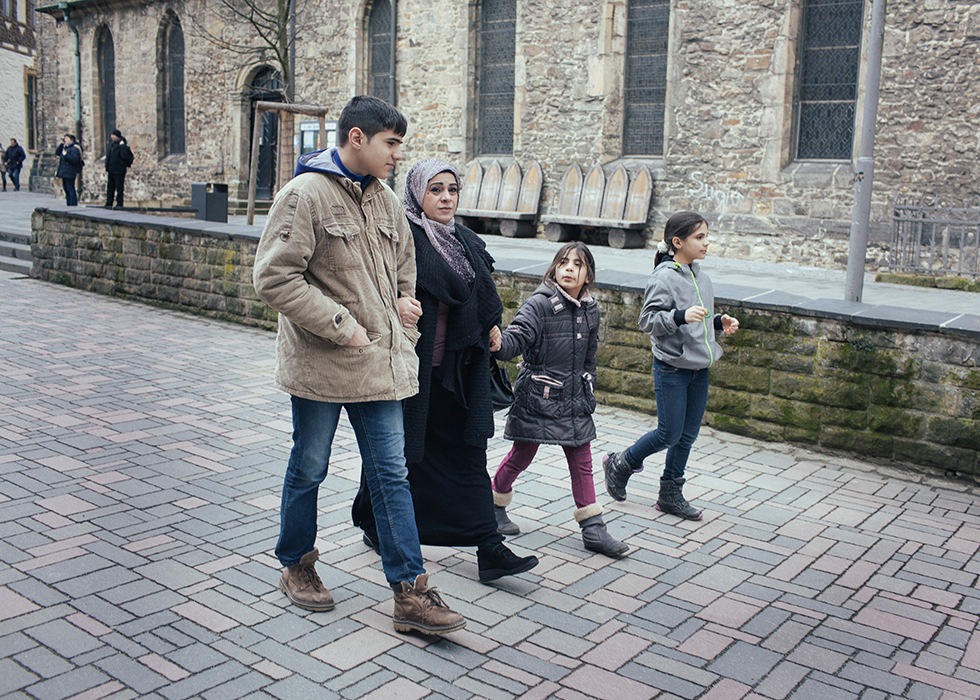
(266,86)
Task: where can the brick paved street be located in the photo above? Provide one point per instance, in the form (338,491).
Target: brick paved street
(141,454)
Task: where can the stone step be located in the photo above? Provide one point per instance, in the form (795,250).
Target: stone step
(21,267)
(12,236)
(239,207)
(16,251)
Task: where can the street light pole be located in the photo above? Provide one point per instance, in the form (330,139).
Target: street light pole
(864,178)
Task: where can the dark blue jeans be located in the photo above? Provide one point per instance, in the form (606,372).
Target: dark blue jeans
(682,395)
(380,432)
(71,196)
(15,178)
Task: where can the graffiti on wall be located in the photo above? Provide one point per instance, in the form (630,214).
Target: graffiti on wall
(717,198)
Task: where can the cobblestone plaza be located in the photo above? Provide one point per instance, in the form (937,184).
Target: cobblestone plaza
(141,454)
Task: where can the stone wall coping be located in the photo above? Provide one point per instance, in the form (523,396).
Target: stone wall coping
(159,223)
(880,317)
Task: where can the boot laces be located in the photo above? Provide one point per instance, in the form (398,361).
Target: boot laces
(432,595)
(310,574)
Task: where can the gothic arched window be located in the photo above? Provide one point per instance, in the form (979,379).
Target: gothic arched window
(827,74)
(106,60)
(381,42)
(495,77)
(172,88)
(645,87)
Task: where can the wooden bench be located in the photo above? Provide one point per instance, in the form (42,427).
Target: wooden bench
(619,205)
(501,197)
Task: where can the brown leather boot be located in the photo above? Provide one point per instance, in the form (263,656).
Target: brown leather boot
(419,608)
(303,586)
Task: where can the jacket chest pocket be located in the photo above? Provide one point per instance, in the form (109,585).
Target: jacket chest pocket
(344,243)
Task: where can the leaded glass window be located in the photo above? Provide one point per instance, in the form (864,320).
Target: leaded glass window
(381,70)
(495,86)
(31,106)
(174,89)
(830,55)
(645,88)
(107,82)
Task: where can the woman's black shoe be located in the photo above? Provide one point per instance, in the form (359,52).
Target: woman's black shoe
(495,561)
(370,538)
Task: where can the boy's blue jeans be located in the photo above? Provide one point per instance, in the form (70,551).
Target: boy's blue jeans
(380,432)
(682,395)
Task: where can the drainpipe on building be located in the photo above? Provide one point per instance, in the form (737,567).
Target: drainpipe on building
(864,178)
(63,6)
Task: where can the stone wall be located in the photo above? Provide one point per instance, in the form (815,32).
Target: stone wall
(728,120)
(865,386)
(153,259)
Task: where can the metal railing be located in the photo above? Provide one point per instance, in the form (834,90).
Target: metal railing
(934,239)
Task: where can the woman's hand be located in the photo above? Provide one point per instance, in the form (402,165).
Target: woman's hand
(729,325)
(409,311)
(495,339)
(695,314)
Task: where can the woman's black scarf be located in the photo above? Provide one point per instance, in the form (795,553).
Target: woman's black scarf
(473,310)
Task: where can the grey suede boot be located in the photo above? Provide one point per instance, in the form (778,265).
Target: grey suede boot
(595,536)
(505,526)
(672,500)
(617,473)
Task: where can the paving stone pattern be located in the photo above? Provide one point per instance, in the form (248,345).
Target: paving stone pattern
(141,454)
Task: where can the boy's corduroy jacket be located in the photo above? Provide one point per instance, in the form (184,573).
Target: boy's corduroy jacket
(331,257)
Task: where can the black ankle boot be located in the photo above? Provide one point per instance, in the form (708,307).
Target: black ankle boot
(370,538)
(496,560)
(617,472)
(672,500)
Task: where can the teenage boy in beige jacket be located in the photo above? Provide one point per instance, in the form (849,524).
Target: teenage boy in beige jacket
(337,261)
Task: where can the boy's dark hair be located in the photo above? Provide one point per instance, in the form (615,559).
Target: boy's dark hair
(680,225)
(370,115)
(584,254)
(71,136)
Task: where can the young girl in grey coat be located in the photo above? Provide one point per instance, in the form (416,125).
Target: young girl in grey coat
(678,313)
(557,333)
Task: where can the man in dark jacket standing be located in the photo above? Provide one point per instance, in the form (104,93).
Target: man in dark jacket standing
(69,166)
(118,158)
(13,161)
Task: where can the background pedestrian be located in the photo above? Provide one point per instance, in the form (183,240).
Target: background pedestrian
(118,158)
(70,166)
(13,161)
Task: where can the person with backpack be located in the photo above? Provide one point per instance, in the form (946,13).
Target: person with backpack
(118,158)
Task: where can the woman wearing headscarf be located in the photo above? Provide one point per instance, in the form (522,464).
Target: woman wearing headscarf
(448,423)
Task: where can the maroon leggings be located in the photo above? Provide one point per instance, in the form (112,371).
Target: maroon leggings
(579,468)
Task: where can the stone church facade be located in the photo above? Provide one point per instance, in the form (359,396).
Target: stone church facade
(749,111)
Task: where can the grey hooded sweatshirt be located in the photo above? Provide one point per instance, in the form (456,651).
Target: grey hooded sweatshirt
(673,287)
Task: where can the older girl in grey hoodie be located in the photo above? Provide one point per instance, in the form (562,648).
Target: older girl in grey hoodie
(678,314)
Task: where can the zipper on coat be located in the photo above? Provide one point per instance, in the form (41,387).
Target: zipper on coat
(704,321)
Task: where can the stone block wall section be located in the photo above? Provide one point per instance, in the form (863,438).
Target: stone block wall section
(893,386)
(190,265)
